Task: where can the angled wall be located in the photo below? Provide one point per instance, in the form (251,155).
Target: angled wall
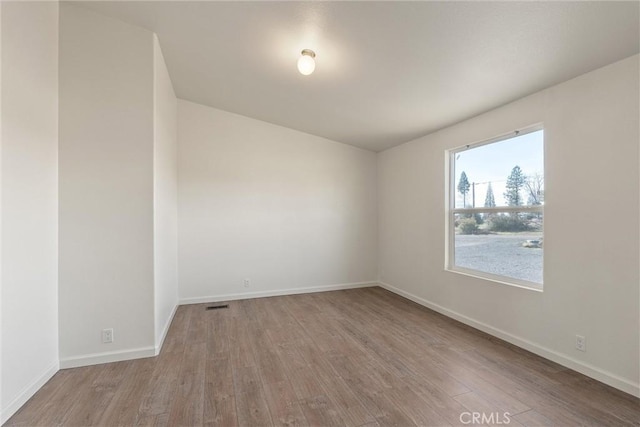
(165,197)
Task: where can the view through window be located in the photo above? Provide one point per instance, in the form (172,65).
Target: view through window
(496,209)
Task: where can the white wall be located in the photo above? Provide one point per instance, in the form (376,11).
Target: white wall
(591,277)
(165,200)
(290,211)
(29,177)
(2,411)
(106,188)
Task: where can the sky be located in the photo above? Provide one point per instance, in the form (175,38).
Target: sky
(494,162)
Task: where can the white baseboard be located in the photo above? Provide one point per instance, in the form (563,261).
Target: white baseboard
(160,342)
(562,359)
(278,292)
(27,393)
(107,357)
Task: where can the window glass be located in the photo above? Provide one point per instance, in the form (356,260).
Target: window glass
(497,209)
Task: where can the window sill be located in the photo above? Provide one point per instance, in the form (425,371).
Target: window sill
(523,284)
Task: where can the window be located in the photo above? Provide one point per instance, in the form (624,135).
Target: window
(496,209)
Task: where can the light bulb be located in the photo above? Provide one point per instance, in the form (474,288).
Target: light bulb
(306,63)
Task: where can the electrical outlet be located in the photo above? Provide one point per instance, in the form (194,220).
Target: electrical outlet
(107,335)
(247,282)
(581,343)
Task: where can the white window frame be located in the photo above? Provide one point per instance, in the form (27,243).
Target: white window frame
(452,211)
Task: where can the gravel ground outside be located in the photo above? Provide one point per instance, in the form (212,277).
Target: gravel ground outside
(501,254)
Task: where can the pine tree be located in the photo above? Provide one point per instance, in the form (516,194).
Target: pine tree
(515,182)
(463,188)
(489,200)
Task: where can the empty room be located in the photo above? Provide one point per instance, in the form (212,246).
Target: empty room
(307,213)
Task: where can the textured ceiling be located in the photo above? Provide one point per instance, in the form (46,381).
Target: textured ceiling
(387,72)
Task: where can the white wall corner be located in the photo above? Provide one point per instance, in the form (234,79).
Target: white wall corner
(165,331)
(27,393)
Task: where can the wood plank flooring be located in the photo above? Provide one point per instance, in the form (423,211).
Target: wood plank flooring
(362,357)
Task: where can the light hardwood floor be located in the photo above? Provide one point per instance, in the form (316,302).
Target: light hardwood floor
(357,357)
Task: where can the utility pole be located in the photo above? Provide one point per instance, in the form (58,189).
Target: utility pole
(473,195)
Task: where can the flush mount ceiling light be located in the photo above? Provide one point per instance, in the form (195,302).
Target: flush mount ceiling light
(306,62)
